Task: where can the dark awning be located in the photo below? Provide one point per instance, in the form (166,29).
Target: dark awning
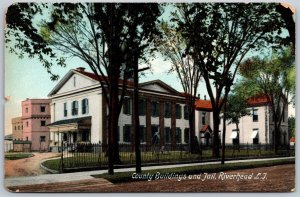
(82,120)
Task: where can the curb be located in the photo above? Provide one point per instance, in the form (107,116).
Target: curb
(51,171)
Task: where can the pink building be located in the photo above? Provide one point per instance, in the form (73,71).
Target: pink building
(36,117)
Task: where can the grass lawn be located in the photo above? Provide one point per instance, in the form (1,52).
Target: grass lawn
(15,156)
(191,170)
(93,159)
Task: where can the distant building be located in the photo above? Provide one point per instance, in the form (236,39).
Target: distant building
(256,128)
(35,117)
(17,128)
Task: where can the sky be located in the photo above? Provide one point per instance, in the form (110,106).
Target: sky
(27,78)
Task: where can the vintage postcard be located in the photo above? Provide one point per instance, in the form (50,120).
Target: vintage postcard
(150,97)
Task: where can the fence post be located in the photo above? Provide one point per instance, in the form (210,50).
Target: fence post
(61,169)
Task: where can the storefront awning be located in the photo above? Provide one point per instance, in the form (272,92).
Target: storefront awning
(254,134)
(70,125)
(233,135)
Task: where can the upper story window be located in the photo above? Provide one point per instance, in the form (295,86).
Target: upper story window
(65,110)
(127,105)
(43,109)
(142,107)
(178,111)
(75,108)
(26,110)
(27,124)
(167,110)
(203,117)
(255,115)
(85,106)
(154,108)
(186,112)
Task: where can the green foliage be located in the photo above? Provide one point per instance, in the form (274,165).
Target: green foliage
(15,156)
(236,107)
(292,126)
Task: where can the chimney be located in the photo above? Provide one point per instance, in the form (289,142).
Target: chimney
(81,69)
(204,97)
(199,96)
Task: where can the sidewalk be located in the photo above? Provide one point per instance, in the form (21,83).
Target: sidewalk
(77,176)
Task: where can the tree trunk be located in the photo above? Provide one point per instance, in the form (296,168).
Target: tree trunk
(192,129)
(224,135)
(136,118)
(215,140)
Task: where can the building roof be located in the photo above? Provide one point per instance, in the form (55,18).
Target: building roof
(293,139)
(203,105)
(258,100)
(71,121)
(102,78)
(129,83)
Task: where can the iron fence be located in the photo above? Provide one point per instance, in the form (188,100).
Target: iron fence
(81,156)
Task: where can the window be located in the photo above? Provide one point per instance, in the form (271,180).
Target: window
(178,111)
(43,123)
(143,134)
(65,110)
(167,110)
(42,138)
(27,124)
(255,136)
(127,133)
(186,112)
(168,136)
(74,81)
(142,107)
(43,109)
(203,118)
(85,106)
(178,135)
(255,115)
(127,106)
(235,137)
(15,127)
(85,136)
(26,110)
(155,135)
(186,135)
(64,137)
(154,108)
(75,108)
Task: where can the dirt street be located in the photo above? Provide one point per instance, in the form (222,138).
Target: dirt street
(276,179)
(27,166)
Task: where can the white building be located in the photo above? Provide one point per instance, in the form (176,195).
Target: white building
(253,129)
(78,112)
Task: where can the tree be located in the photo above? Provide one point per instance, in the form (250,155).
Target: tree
(172,45)
(292,126)
(270,77)
(236,108)
(219,35)
(101,34)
